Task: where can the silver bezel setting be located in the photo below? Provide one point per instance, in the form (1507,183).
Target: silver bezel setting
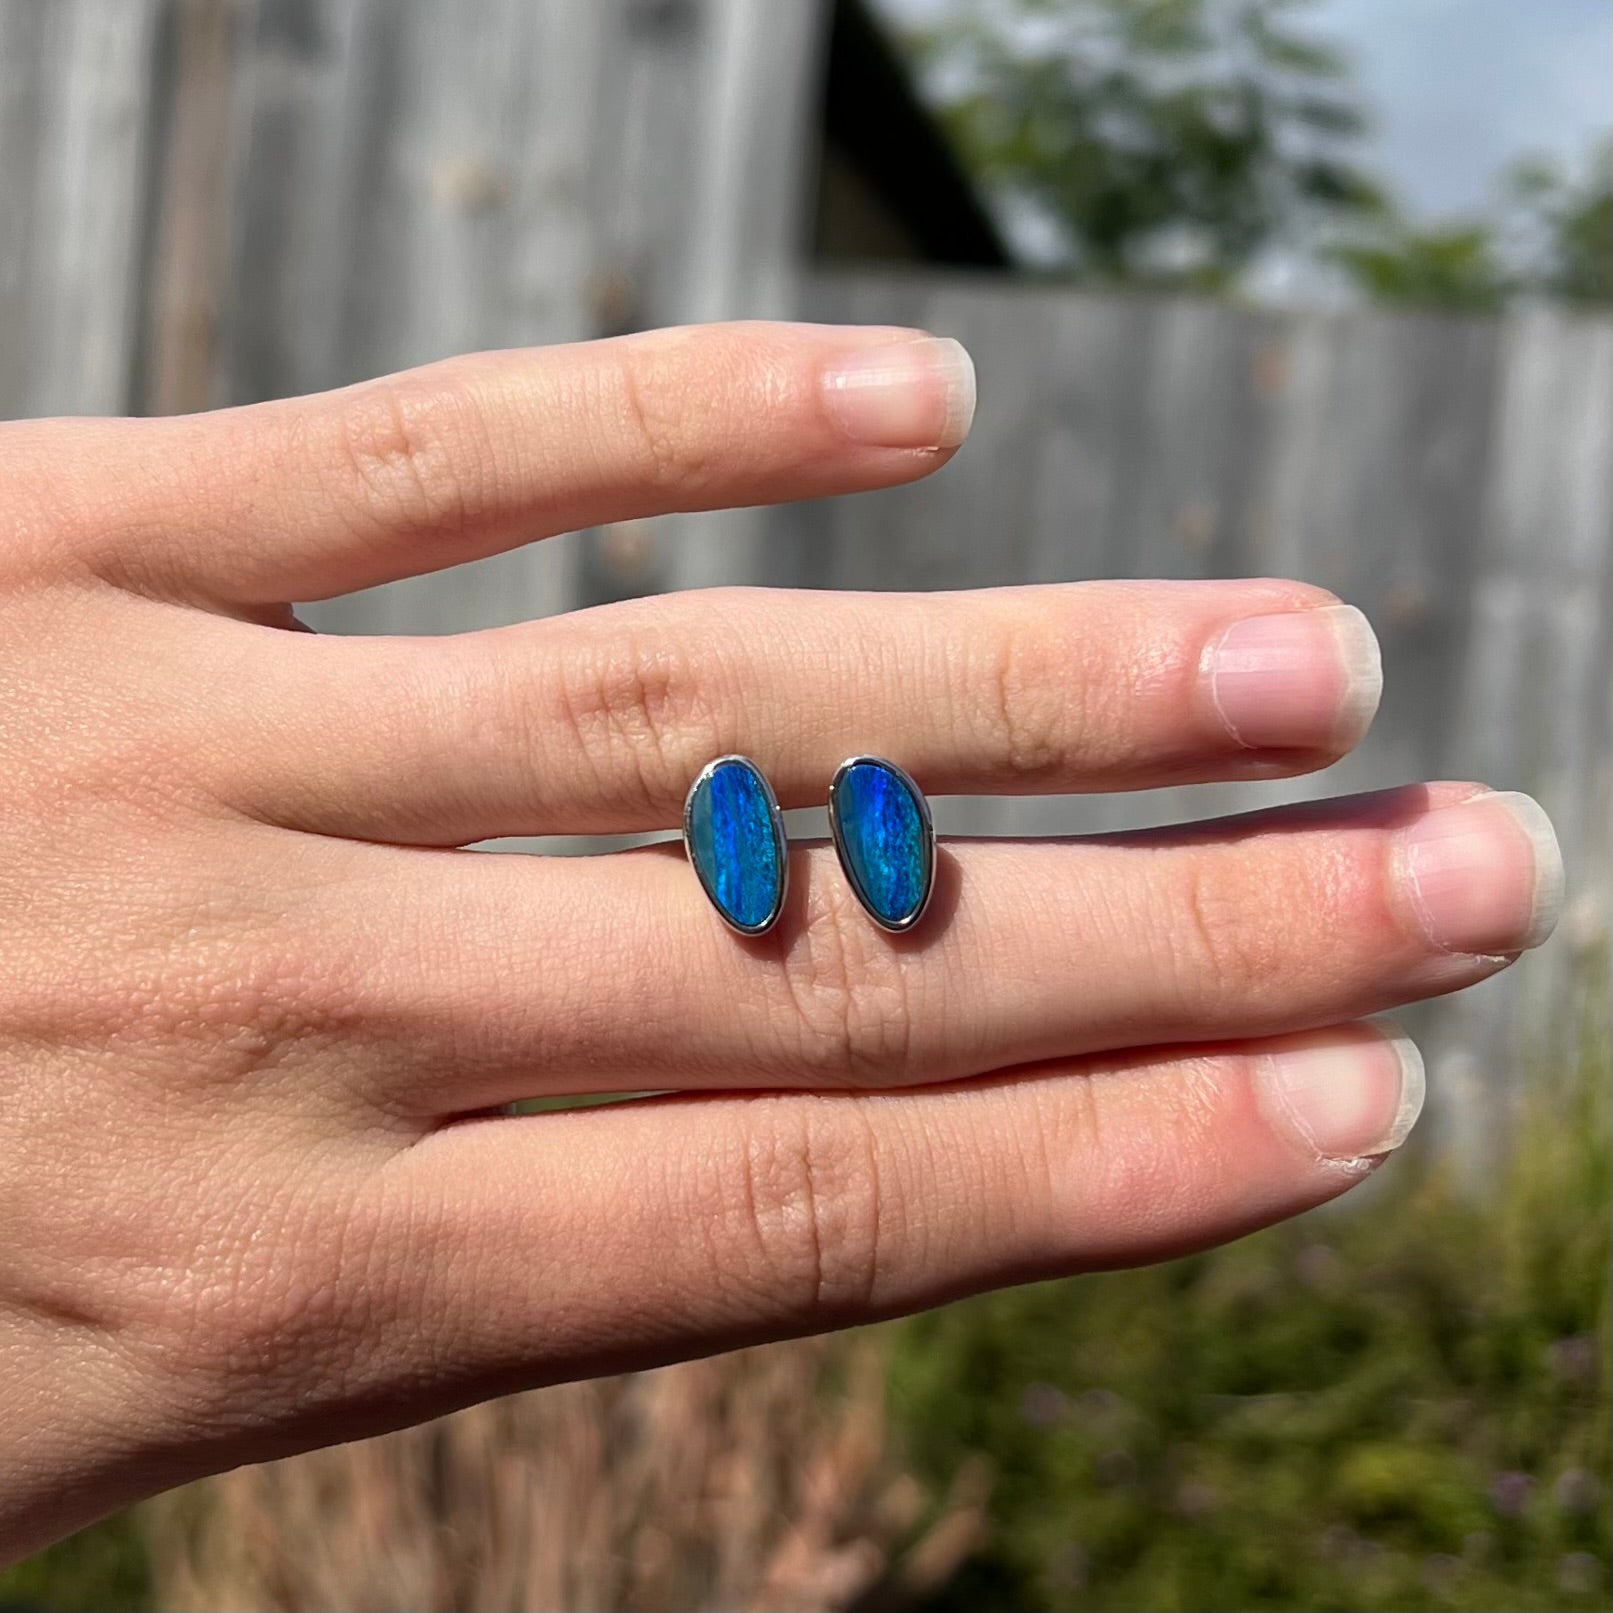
(780,841)
(837,832)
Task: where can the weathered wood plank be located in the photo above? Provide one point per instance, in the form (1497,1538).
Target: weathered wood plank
(1530,704)
(77,81)
(1452,477)
(413,181)
(746,179)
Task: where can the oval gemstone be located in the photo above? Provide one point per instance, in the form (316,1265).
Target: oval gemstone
(884,838)
(734,840)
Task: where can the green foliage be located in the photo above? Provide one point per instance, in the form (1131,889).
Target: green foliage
(1570,217)
(101,1570)
(1172,139)
(1398,1405)
(1454,267)
(1550,234)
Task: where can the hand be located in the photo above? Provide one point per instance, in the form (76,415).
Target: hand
(259,1017)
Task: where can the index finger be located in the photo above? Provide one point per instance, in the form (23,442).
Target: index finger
(312,497)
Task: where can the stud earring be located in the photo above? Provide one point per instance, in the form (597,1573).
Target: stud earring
(733,833)
(884,838)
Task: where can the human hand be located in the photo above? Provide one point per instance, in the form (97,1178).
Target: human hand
(259,1017)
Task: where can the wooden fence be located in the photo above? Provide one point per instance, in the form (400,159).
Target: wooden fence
(1452,477)
(218,200)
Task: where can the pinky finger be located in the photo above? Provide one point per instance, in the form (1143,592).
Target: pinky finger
(594,1240)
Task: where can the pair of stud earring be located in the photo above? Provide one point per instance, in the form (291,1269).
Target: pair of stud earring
(733,833)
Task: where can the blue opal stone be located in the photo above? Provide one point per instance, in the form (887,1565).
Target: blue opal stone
(733,838)
(882,832)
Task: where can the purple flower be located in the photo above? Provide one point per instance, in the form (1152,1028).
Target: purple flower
(1509,1492)
(1574,1358)
(1576,1490)
(1042,1405)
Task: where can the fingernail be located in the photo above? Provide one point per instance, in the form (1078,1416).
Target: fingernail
(1297,680)
(1485,876)
(1344,1099)
(912,394)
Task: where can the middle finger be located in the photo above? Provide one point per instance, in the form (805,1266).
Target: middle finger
(597,723)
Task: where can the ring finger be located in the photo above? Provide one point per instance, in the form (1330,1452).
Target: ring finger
(497,978)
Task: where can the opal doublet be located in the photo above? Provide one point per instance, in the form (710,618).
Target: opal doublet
(883,834)
(735,839)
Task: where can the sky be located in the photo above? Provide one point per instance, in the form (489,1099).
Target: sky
(1459,88)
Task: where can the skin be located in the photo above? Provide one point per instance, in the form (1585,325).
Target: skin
(258,1016)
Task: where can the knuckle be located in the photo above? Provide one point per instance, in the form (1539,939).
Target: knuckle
(1022,719)
(1138,1169)
(240,1003)
(231,1293)
(811,1205)
(412,454)
(848,997)
(280,1300)
(640,712)
(671,441)
(1222,948)
(256,1007)
(259,1305)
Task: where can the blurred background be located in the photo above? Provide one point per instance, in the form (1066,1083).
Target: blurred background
(1321,288)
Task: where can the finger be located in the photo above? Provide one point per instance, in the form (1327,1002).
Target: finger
(312,497)
(598,722)
(593,1240)
(485,979)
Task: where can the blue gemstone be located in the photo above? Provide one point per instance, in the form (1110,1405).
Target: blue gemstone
(736,845)
(885,841)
